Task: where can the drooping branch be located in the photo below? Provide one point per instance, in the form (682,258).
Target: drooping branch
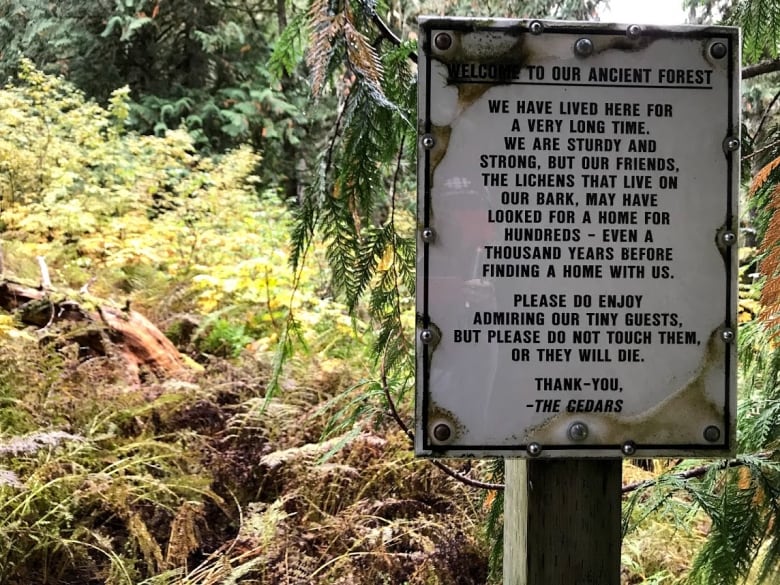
(464,479)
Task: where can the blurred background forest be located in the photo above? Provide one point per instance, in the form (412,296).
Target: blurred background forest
(207,307)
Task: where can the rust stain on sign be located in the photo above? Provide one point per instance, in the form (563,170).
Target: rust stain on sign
(492,51)
(663,422)
(441,135)
(437,414)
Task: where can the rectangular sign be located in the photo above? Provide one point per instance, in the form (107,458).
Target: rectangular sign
(577,214)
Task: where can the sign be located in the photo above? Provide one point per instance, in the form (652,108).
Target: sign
(577,213)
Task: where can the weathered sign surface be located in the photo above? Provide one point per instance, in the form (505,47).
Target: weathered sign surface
(577,239)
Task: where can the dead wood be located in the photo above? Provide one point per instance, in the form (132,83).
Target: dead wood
(97,327)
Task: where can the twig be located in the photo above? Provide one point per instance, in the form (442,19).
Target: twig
(336,131)
(396,176)
(765,117)
(475,483)
(386,32)
(391,403)
(45,278)
(268,298)
(762,150)
(84,290)
(464,479)
(46,286)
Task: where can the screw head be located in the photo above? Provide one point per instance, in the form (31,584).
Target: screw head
(428,141)
(426,336)
(712,433)
(536,27)
(727,335)
(583,47)
(718,50)
(729,238)
(628,448)
(442,432)
(578,431)
(534,449)
(731,144)
(428,235)
(634,31)
(442,41)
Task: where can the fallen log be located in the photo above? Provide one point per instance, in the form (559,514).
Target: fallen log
(96,326)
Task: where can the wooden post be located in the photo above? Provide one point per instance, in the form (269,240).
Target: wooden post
(573,523)
(515,521)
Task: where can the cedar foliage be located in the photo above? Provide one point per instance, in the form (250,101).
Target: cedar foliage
(360,199)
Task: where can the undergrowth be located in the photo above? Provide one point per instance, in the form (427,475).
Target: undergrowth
(203,477)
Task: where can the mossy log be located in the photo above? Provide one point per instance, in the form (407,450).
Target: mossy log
(97,327)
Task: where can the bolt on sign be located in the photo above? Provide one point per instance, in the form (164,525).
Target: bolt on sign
(577,213)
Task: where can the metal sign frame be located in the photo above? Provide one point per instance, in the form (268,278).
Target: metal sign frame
(468,58)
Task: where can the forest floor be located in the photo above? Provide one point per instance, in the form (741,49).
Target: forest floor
(199,476)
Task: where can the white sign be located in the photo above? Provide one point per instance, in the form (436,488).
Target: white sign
(577,212)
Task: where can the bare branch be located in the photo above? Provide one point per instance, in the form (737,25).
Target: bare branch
(693,472)
(761,68)
(388,34)
(765,117)
(761,151)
